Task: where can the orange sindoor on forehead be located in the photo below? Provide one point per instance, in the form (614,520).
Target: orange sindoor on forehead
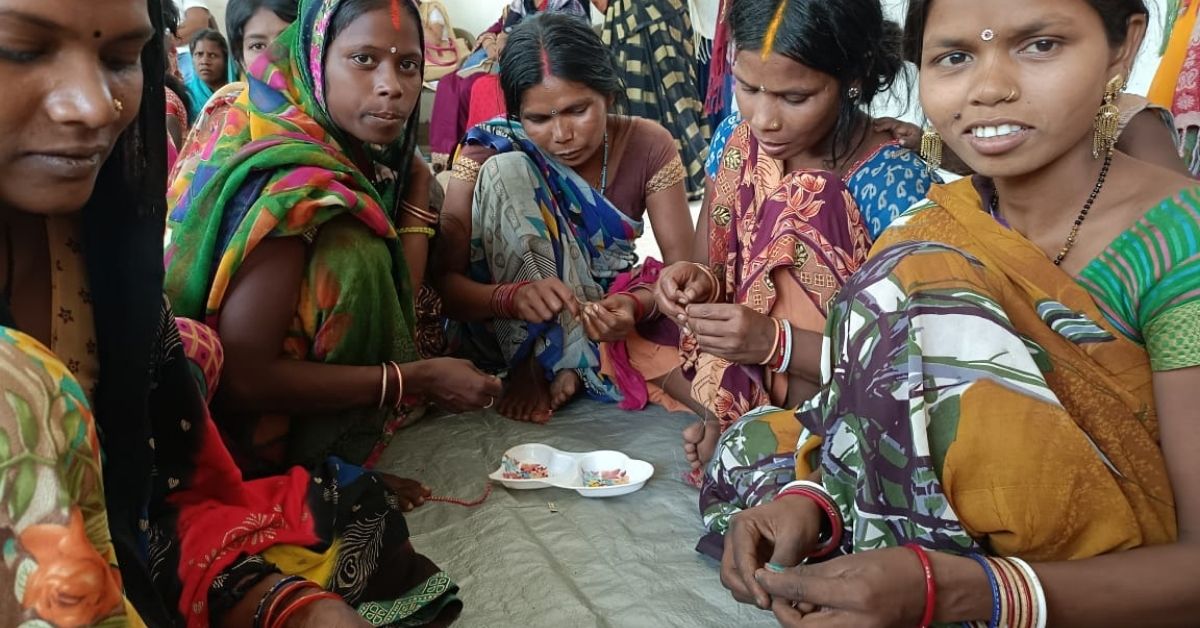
(395,14)
(773,30)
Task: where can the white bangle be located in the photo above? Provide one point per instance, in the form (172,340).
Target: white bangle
(383,386)
(1039,610)
(787,347)
(806,484)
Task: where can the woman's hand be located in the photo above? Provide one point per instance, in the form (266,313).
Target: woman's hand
(881,588)
(733,332)
(542,300)
(609,319)
(907,133)
(680,285)
(457,385)
(781,532)
(409,493)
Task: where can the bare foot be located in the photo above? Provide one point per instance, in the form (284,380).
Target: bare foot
(527,397)
(409,493)
(699,442)
(563,388)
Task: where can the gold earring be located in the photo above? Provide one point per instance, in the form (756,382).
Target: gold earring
(118,105)
(931,148)
(1104,135)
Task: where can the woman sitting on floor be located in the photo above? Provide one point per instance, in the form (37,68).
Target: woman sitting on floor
(781,230)
(543,211)
(1014,375)
(141,499)
(287,239)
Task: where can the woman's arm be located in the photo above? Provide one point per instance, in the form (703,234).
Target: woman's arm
(672,222)
(464,298)
(1147,586)
(255,317)
(1148,139)
(415,244)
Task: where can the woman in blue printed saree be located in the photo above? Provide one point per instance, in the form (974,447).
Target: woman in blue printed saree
(542,214)
(1005,431)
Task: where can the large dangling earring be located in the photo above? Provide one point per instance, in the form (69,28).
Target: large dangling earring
(1104,136)
(931,148)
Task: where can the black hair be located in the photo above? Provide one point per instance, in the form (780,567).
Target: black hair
(123,224)
(574,51)
(350,10)
(208,34)
(1115,15)
(170,24)
(847,39)
(238,12)
(170,17)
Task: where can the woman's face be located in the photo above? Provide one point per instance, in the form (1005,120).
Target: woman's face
(373,76)
(791,108)
(261,29)
(565,118)
(73,76)
(1012,86)
(209,60)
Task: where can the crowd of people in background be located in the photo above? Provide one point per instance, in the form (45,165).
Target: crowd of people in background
(940,374)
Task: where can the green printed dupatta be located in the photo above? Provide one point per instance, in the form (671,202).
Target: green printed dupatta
(280,167)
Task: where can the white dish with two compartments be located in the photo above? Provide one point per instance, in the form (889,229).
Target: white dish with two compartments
(601,473)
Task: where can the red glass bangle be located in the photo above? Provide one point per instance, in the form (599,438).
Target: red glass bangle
(831,512)
(301,602)
(930,584)
(282,594)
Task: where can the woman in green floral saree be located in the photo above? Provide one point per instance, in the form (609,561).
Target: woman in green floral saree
(300,234)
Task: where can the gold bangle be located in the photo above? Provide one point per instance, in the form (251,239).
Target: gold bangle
(424,215)
(426,231)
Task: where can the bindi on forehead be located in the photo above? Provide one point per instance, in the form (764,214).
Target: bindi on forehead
(97,34)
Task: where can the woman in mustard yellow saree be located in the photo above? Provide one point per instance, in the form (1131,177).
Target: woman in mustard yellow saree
(1005,433)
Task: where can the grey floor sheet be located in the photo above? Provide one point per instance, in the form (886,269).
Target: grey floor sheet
(622,561)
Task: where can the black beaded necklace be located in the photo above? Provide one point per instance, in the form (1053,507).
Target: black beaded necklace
(1083,213)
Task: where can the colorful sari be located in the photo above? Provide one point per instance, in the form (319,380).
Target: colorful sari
(203,536)
(975,396)
(1176,84)
(535,218)
(276,166)
(884,183)
(782,244)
